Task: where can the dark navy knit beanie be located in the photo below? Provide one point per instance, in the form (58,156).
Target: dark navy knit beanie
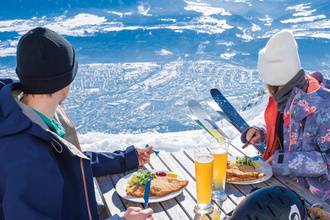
(46,62)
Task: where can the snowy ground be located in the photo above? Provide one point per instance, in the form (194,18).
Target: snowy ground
(172,141)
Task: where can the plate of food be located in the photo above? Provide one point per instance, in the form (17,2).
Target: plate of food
(243,170)
(164,185)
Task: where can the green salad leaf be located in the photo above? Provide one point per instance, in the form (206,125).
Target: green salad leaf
(142,177)
(244,161)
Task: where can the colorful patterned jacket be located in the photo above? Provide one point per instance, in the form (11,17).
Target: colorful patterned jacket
(306,153)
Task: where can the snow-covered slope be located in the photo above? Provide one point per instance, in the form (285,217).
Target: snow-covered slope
(141,61)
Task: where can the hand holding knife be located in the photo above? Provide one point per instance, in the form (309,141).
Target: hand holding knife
(254,133)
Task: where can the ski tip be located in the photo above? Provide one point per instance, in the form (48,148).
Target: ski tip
(214,90)
(192,101)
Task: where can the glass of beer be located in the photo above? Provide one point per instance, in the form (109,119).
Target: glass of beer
(219,151)
(203,172)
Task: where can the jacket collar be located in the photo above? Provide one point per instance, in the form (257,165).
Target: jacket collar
(301,104)
(313,84)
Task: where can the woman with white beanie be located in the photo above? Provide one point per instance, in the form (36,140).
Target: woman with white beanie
(297,117)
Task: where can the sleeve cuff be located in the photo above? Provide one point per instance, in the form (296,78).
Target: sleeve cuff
(131,158)
(243,135)
(262,135)
(116,217)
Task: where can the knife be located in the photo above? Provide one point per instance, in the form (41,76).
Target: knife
(247,143)
(146,193)
(155,151)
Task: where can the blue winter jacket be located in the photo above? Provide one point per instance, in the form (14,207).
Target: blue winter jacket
(44,176)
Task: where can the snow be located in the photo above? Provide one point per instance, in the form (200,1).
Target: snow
(170,141)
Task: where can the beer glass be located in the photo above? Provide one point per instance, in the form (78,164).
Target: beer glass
(219,151)
(203,172)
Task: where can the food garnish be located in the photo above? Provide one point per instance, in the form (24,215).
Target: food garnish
(244,161)
(256,164)
(140,179)
(172,175)
(161,173)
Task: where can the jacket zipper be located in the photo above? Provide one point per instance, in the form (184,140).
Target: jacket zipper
(291,119)
(82,168)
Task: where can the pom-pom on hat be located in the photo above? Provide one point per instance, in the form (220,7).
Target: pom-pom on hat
(46,62)
(279,61)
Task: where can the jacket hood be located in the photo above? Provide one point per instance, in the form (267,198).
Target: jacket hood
(304,104)
(13,116)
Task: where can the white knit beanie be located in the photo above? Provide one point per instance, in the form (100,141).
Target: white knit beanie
(279,61)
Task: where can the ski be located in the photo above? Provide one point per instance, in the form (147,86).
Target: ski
(205,120)
(232,116)
(216,107)
(195,119)
(229,110)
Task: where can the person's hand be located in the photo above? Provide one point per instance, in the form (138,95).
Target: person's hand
(136,213)
(254,134)
(270,160)
(144,155)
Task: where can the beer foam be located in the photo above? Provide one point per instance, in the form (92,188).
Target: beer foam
(204,158)
(218,151)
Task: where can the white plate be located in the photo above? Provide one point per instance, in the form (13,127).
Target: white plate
(121,186)
(266,168)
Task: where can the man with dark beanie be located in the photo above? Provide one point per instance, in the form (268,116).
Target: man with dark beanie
(44,174)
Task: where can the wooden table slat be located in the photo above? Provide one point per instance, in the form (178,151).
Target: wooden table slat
(186,200)
(111,200)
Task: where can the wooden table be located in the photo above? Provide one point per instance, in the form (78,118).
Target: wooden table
(182,206)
